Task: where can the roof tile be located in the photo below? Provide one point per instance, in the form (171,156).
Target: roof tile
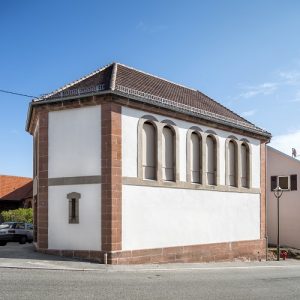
(15,188)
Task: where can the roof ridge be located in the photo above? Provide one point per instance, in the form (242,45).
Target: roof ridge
(158,77)
(76,81)
(194,90)
(113,76)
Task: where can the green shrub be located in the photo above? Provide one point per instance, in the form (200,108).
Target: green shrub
(18,215)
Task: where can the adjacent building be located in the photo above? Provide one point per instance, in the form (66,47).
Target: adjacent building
(137,169)
(284,171)
(15,192)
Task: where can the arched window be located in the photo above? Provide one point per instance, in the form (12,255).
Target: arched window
(245,165)
(196,158)
(149,151)
(232,163)
(211,160)
(168,154)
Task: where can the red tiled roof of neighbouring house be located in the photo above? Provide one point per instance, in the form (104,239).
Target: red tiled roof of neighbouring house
(15,188)
(132,83)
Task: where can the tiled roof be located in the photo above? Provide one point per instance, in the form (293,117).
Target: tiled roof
(136,80)
(15,188)
(130,82)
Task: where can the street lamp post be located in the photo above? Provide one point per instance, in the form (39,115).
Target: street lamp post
(278,193)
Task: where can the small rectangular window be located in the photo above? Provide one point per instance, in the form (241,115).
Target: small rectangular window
(284,182)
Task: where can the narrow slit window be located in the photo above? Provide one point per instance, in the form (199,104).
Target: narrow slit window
(73,207)
(73,210)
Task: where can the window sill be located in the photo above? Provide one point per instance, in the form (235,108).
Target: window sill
(187,185)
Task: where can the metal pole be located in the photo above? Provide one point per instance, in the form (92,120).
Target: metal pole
(278,247)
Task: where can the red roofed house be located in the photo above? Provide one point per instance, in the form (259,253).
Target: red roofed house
(133,168)
(15,192)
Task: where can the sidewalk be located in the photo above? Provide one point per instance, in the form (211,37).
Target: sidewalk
(15,256)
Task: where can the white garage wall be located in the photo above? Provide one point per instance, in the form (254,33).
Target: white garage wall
(83,236)
(75,142)
(130,118)
(155,217)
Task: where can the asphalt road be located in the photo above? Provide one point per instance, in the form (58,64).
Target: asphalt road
(227,283)
(25,274)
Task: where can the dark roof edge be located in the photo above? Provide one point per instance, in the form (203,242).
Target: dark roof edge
(38,103)
(233,124)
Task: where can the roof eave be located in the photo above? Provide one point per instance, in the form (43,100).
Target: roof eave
(266,135)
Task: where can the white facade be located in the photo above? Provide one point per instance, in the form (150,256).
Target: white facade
(74,151)
(130,119)
(86,235)
(75,142)
(280,164)
(152,217)
(155,217)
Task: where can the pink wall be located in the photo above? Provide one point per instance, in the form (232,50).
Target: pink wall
(279,164)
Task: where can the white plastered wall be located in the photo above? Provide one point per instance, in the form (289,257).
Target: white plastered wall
(75,142)
(83,236)
(154,217)
(75,151)
(279,164)
(130,118)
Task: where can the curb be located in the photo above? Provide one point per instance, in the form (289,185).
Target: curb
(148,269)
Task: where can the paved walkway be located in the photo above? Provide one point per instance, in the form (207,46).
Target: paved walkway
(15,256)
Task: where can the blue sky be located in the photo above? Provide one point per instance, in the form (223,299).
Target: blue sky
(244,54)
